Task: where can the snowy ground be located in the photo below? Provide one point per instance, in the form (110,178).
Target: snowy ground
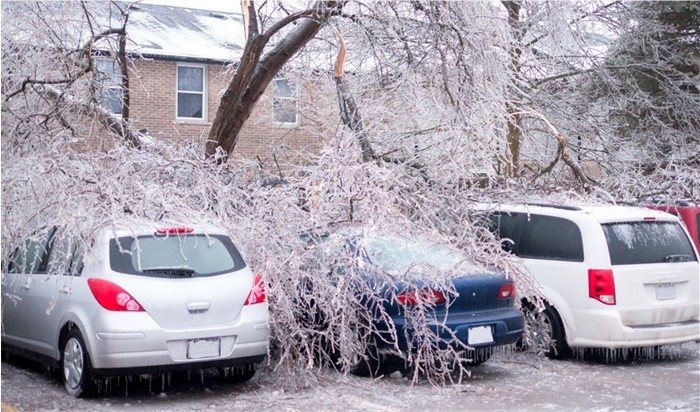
(509,381)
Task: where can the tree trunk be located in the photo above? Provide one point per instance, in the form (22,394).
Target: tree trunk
(515,133)
(254,74)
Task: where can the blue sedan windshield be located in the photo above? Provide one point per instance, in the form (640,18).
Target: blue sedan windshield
(398,255)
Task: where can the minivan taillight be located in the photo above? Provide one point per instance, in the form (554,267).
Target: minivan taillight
(257,293)
(601,285)
(507,291)
(112,297)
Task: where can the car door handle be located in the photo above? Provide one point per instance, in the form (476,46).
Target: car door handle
(65,289)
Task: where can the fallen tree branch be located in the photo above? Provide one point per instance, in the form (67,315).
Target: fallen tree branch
(562,154)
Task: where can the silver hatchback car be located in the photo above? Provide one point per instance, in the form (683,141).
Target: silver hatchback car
(127,301)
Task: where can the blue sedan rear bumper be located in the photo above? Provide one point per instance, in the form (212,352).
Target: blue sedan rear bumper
(506,326)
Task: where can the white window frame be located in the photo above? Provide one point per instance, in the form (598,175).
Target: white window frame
(293,98)
(109,81)
(203,93)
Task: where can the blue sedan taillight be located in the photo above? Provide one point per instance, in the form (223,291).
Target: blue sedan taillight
(429,296)
(507,291)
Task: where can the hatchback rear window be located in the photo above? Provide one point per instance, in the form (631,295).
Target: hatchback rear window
(174,256)
(634,243)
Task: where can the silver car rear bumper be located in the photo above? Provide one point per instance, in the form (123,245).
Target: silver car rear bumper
(144,344)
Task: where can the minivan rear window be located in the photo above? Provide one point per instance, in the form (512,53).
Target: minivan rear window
(174,256)
(634,243)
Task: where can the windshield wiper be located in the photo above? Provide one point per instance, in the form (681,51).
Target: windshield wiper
(677,258)
(170,272)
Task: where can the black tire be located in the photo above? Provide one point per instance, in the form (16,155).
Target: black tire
(558,348)
(363,362)
(237,374)
(546,333)
(76,369)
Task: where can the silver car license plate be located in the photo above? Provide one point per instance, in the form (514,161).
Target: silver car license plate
(665,291)
(203,348)
(480,334)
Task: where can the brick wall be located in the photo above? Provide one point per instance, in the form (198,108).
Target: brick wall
(153,98)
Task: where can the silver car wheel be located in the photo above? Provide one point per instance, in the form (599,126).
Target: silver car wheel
(73,365)
(77,370)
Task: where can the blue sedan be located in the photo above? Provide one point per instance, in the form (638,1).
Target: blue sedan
(419,292)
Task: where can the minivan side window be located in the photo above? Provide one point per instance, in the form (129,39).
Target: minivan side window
(505,226)
(550,238)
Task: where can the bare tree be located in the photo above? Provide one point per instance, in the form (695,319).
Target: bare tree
(49,59)
(257,68)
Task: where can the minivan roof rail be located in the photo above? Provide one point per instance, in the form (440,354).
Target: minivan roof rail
(554,206)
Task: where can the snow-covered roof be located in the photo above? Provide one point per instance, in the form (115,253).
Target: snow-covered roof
(168,32)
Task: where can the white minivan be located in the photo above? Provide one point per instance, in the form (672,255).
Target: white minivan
(612,276)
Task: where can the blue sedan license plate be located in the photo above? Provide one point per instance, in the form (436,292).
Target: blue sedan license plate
(203,348)
(480,334)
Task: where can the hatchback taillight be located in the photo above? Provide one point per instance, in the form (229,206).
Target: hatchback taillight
(507,291)
(601,285)
(112,297)
(257,293)
(429,296)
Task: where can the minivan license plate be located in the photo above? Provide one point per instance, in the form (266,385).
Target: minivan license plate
(665,291)
(480,334)
(203,348)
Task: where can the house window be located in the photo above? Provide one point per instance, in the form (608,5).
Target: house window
(284,102)
(191,95)
(108,82)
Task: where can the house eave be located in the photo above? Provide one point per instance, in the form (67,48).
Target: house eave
(183,59)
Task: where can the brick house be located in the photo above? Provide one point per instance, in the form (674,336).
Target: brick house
(182,61)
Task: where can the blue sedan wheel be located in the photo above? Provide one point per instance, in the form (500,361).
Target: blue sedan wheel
(364,362)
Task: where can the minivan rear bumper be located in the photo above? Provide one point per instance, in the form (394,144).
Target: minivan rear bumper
(607,331)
